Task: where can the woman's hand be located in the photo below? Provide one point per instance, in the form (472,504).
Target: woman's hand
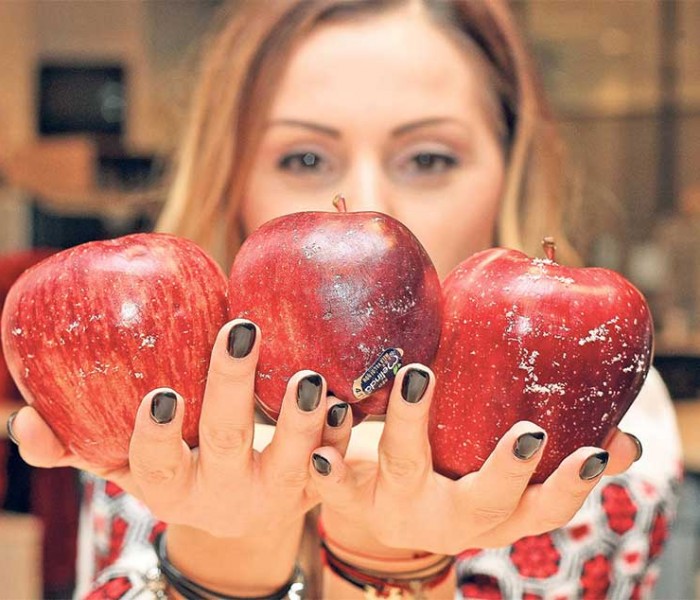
(224,487)
(387,498)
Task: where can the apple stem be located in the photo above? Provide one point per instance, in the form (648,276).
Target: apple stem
(339,203)
(549,247)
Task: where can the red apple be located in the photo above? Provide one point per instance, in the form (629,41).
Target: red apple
(89,331)
(11,267)
(529,339)
(352,296)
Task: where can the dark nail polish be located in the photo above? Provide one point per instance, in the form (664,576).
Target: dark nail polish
(241,339)
(594,466)
(163,407)
(415,382)
(321,464)
(527,445)
(10,433)
(640,448)
(336,414)
(309,392)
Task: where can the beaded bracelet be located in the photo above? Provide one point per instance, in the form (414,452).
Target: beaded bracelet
(292,590)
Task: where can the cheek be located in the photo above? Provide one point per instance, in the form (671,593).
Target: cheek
(265,199)
(269,195)
(461,223)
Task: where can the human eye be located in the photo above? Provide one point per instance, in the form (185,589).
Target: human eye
(431,162)
(306,162)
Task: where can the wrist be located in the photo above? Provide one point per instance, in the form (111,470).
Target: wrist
(349,535)
(352,569)
(250,566)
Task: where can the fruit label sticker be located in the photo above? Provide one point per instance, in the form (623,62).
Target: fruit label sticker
(379,373)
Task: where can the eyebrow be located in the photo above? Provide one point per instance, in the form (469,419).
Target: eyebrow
(335,133)
(403,129)
(329,131)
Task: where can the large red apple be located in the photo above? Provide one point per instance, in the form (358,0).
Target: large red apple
(351,295)
(89,331)
(11,267)
(529,339)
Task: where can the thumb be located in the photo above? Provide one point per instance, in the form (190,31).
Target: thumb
(38,445)
(624,449)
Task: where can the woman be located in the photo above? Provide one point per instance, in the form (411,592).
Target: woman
(430,112)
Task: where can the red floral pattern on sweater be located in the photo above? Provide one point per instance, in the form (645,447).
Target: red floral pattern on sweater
(535,556)
(619,508)
(610,550)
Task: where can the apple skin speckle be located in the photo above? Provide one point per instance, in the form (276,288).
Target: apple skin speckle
(331,292)
(566,348)
(104,323)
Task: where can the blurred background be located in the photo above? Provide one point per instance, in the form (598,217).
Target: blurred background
(93,91)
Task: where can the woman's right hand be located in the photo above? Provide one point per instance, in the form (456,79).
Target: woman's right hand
(225,487)
(384,499)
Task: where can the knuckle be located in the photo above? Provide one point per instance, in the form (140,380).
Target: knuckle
(399,467)
(227,439)
(153,474)
(292,478)
(401,419)
(490,516)
(578,496)
(233,374)
(303,426)
(515,478)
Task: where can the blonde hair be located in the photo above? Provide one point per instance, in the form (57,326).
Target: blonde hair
(247,57)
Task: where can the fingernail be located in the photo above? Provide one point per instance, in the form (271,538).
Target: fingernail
(241,339)
(10,433)
(593,466)
(527,445)
(321,464)
(309,392)
(336,414)
(638,443)
(414,384)
(163,407)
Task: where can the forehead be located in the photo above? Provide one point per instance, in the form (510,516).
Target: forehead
(396,63)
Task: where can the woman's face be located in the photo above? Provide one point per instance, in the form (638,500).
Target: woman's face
(391,113)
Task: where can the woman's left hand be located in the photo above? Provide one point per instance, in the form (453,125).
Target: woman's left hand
(384,495)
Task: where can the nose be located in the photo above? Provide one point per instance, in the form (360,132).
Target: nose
(367,188)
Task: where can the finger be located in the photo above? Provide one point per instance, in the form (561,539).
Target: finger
(159,459)
(624,449)
(226,423)
(404,450)
(334,481)
(501,481)
(298,431)
(336,430)
(554,503)
(38,445)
